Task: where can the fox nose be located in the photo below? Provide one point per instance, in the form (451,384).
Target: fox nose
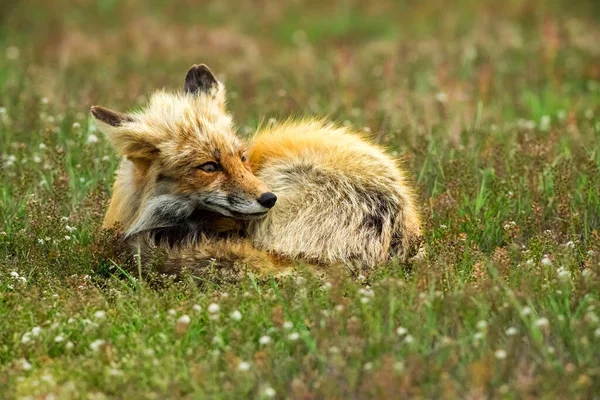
(267,199)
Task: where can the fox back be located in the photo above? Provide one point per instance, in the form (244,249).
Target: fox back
(341,200)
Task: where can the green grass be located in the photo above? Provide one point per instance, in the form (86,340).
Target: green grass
(495,110)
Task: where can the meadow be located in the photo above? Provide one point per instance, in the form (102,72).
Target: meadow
(494,108)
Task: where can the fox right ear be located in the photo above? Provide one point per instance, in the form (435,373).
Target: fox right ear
(126,140)
(110,117)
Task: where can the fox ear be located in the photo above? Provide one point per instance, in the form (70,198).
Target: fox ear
(126,140)
(200,79)
(110,117)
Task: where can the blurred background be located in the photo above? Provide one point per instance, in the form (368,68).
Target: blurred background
(385,65)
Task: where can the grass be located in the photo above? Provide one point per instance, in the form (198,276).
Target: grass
(495,110)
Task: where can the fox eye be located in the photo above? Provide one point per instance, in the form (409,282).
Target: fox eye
(243,158)
(209,167)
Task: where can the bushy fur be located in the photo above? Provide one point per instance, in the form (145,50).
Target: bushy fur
(341,199)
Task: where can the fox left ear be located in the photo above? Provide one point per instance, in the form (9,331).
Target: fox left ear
(200,79)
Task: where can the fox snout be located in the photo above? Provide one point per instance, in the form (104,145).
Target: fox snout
(267,199)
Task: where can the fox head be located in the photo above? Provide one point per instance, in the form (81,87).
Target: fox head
(182,156)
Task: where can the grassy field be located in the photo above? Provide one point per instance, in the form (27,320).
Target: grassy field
(495,108)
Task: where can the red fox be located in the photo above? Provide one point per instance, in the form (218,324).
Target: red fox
(302,190)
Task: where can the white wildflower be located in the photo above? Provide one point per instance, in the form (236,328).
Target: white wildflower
(243,366)
(546,261)
(408,339)
(264,340)
(481,325)
(293,336)
(269,392)
(25,365)
(197,307)
(36,330)
(59,338)
(100,314)
(236,315)
(500,354)
(96,344)
(91,139)
(542,322)
(214,308)
(512,331)
(184,320)
(525,311)
(288,325)
(401,331)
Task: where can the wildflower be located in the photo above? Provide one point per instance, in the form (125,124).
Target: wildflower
(478,336)
(91,139)
(368,366)
(570,244)
(408,339)
(512,331)
(597,332)
(37,159)
(399,366)
(40,241)
(25,365)
(545,122)
(36,330)
(546,261)
(59,338)
(213,308)
(105,158)
(96,344)
(542,322)
(500,354)
(269,392)
(243,366)
(441,97)
(184,320)
(99,314)
(326,286)
(12,53)
(26,338)
(172,312)
(264,340)
(563,274)
(293,336)
(70,228)
(401,331)
(364,300)
(15,274)
(115,372)
(76,125)
(288,325)
(67,237)
(525,311)
(197,307)
(236,315)
(481,325)
(69,345)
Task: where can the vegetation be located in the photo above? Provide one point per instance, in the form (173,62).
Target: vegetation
(495,108)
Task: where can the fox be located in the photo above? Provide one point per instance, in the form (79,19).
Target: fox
(188,188)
